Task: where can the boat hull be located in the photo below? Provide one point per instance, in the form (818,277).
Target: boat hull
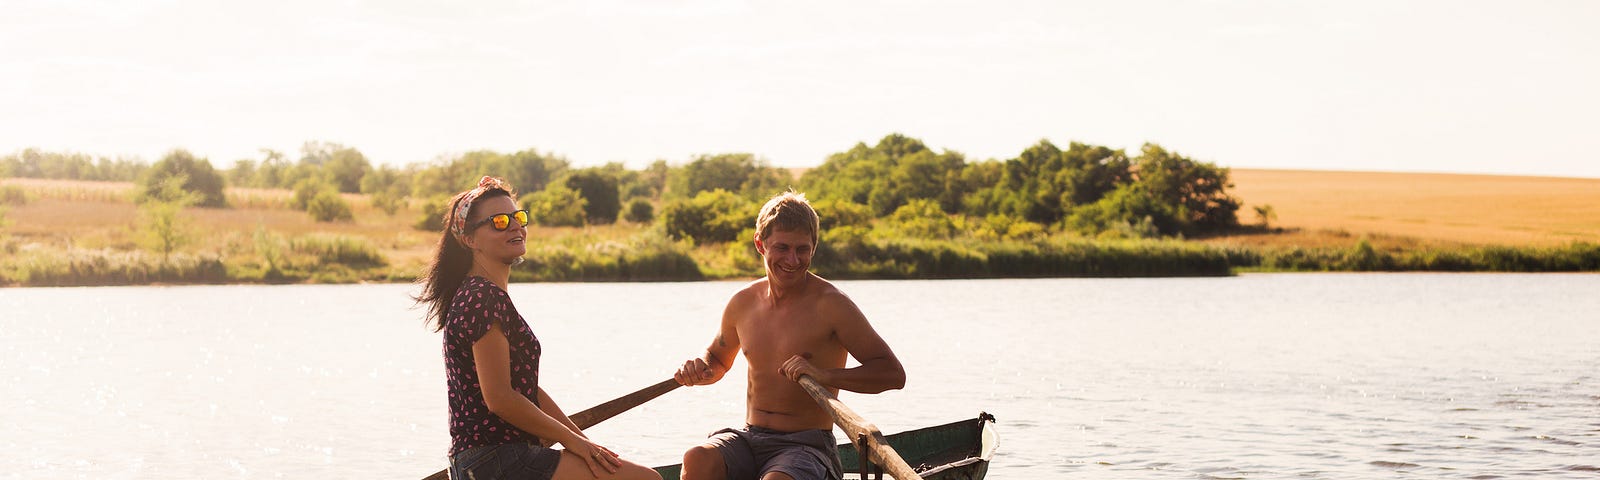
(954,451)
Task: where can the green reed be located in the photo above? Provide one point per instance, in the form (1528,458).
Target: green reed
(1573,257)
(646,257)
(81,267)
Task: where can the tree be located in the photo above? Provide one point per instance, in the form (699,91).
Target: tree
(320,199)
(1005,227)
(857,174)
(651,182)
(922,175)
(922,218)
(1265,214)
(527,171)
(977,183)
(162,227)
(328,206)
(1044,183)
(305,190)
(711,217)
(1090,172)
(243,173)
(897,170)
(532,171)
(846,175)
(841,213)
(198,178)
(343,166)
(1026,186)
(388,188)
(347,167)
(32,163)
(639,211)
(599,188)
(1131,209)
(1198,190)
(556,206)
(273,170)
(739,173)
(433,211)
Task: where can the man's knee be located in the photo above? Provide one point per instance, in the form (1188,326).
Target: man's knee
(703,462)
(703,454)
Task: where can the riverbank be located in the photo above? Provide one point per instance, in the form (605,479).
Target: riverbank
(87,233)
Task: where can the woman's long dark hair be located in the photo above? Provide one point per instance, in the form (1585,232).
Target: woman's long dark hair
(451,262)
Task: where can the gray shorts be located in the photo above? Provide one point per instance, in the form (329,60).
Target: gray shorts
(522,461)
(754,451)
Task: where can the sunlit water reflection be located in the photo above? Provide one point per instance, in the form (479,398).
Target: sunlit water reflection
(1258,376)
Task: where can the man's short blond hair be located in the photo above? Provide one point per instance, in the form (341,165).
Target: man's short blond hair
(787,211)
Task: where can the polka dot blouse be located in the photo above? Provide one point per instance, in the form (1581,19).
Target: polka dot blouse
(476,305)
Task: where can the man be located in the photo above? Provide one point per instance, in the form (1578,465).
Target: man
(788,324)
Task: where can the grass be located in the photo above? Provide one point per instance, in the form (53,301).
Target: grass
(648,256)
(82,226)
(1364,256)
(1060,256)
(82,233)
(35,266)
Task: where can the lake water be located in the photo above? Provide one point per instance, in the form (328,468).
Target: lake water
(1259,376)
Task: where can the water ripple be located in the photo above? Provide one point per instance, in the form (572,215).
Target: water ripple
(1312,376)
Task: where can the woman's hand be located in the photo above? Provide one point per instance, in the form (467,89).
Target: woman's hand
(601,460)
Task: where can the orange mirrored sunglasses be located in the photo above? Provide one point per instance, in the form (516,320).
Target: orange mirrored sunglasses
(502,221)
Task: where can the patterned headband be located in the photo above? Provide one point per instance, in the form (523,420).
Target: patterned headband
(458,221)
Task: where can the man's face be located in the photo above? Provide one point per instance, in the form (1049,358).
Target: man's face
(787,255)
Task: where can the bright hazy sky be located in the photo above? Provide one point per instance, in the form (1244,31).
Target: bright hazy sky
(1437,86)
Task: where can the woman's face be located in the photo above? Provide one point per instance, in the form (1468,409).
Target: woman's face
(503,246)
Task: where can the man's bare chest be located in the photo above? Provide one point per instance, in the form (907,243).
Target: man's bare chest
(779,338)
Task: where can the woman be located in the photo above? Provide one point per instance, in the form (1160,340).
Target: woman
(501,422)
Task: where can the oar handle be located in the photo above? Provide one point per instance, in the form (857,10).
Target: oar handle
(600,413)
(856,427)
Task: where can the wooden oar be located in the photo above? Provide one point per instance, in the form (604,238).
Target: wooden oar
(857,427)
(600,413)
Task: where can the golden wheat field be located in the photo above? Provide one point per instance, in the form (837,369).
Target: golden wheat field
(1425,208)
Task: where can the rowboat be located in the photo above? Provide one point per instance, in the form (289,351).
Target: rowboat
(954,451)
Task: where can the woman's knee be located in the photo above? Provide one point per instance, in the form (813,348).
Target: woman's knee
(634,471)
(571,467)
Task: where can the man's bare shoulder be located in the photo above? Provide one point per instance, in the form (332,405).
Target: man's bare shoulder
(829,298)
(755,287)
(749,293)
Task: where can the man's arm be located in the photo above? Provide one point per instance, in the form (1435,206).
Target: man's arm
(880,369)
(718,358)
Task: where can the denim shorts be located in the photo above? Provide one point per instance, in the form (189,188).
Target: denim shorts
(755,451)
(519,461)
